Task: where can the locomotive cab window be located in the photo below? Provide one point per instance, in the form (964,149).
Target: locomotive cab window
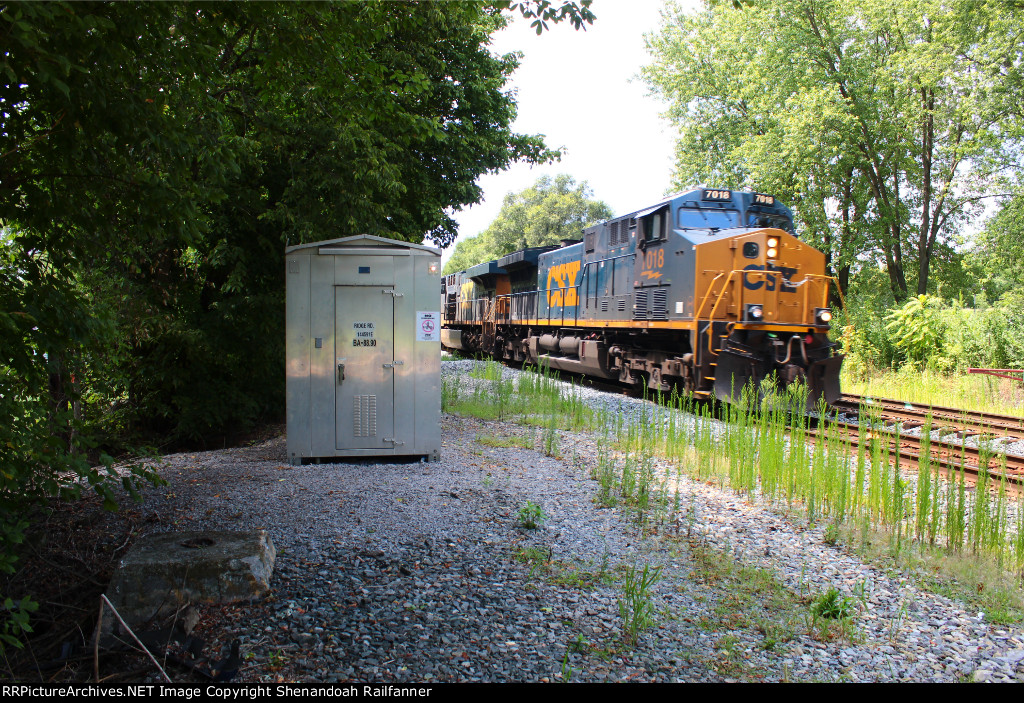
(654,226)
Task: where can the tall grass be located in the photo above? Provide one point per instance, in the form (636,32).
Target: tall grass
(978,392)
(762,450)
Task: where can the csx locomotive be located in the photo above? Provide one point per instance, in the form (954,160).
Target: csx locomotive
(708,290)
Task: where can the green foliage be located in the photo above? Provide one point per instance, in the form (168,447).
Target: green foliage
(998,258)
(545,213)
(530,515)
(16,622)
(927,332)
(831,537)
(833,605)
(882,123)
(636,607)
(157,158)
(915,329)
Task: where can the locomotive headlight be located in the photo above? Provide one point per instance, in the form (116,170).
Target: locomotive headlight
(822,316)
(773,242)
(772,253)
(754,312)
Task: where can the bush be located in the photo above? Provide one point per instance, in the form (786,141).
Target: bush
(916,329)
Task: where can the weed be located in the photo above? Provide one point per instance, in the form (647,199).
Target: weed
(276,659)
(833,605)
(536,557)
(832,534)
(859,495)
(567,671)
(504,442)
(528,555)
(860,592)
(530,515)
(579,644)
(572,575)
(551,435)
(603,574)
(829,610)
(729,662)
(897,621)
(556,572)
(636,607)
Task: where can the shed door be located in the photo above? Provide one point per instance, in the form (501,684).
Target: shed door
(364,375)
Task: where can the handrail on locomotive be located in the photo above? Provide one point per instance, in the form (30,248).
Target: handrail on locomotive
(500,308)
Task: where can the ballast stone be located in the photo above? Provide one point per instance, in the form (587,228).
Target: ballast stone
(164,571)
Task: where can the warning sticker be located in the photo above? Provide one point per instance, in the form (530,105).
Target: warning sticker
(363,334)
(428,328)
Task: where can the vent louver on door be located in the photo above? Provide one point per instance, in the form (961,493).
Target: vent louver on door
(364,415)
(659,308)
(640,307)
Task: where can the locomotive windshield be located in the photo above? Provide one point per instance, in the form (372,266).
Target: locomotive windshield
(760,219)
(693,218)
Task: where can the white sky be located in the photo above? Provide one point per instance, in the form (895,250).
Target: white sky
(581,89)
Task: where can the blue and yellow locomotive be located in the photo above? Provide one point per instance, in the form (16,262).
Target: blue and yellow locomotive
(708,290)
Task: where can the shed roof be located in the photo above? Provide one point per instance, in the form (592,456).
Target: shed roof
(363,240)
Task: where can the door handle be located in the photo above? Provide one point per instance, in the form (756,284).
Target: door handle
(341,372)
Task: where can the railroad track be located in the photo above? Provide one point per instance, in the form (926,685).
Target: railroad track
(951,450)
(954,439)
(890,420)
(965,422)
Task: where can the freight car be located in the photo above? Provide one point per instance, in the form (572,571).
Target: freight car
(707,291)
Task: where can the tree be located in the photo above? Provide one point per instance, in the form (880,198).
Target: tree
(176,148)
(157,158)
(545,213)
(883,123)
(999,253)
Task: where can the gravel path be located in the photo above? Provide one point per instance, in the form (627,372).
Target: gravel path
(422,572)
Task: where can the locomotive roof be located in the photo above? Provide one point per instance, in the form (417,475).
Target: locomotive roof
(702,236)
(524,257)
(744,199)
(487,268)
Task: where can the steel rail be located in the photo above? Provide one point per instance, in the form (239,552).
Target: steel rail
(951,457)
(946,421)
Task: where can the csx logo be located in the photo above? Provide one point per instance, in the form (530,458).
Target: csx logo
(562,284)
(769,280)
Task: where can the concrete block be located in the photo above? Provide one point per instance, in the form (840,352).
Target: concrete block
(165,571)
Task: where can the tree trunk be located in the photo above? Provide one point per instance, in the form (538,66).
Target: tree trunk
(924,239)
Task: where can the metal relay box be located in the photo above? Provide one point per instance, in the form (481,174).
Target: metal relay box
(363,349)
